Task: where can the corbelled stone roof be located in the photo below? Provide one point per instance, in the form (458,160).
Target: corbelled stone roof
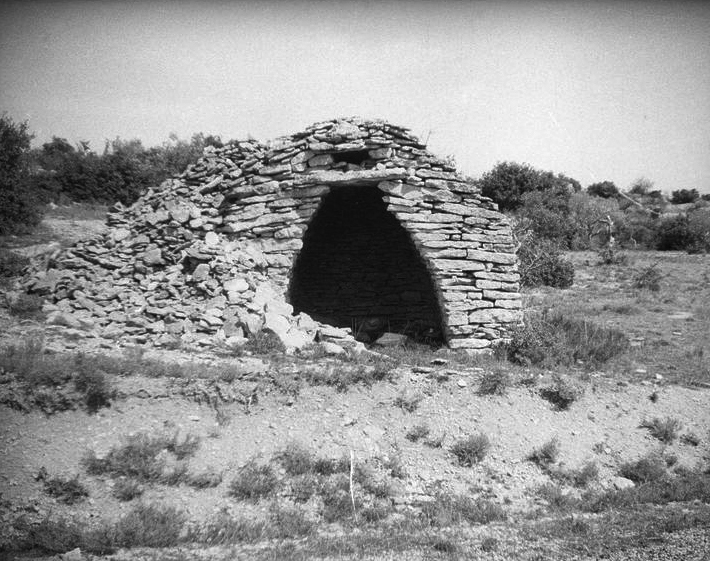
(211,252)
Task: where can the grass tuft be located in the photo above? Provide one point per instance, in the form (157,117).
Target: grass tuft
(496,382)
(649,469)
(127,489)
(471,450)
(545,455)
(254,482)
(417,433)
(67,491)
(666,430)
(562,393)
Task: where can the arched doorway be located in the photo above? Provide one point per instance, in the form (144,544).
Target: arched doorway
(358,268)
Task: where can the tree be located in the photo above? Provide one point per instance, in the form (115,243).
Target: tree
(603,189)
(588,214)
(19,210)
(642,186)
(546,214)
(507,182)
(683,196)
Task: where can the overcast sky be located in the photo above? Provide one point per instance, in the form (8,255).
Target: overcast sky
(594,90)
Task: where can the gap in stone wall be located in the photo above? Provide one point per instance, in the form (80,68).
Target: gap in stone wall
(358,268)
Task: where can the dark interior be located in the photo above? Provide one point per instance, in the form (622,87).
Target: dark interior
(359,268)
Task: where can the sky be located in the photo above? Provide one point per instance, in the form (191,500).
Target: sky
(595,90)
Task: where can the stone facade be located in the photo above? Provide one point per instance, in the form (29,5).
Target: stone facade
(348,221)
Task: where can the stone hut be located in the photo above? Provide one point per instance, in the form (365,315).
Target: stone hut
(351,224)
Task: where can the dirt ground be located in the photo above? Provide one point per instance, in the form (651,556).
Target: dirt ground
(665,374)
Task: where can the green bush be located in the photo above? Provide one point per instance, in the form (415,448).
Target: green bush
(649,469)
(12,264)
(603,189)
(684,196)
(507,182)
(20,211)
(67,491)
(551,339)
(471,450)
(541,263)
(253,482)
(151,525)
(494,383)
(547,454)
(666,430)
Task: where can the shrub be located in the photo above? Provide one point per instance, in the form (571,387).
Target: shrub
(603,189)
(684,196)
(665,430)
(296,459)
(690,438)
(304,487)
(673,234)
(12,264)
(97,391)
(648,278)
(26,305)
(204,480)
(494,383)
(553,339)
(264,343)
(610,255)
(222,529)
(151,525)
(20,211)
(471,450)
(507,182)
(556,497)
(541,263)
(408,401)
(127,489)
(139,457)
(648,469)
(417,432)
(585,475)
(448,509)
(330,466)
(547,454)
(562,393)
(253,482)
(67,491)
(289,522)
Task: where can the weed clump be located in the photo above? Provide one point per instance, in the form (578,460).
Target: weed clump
(253,482)
(27,306)
(408,402)
(150,525)
(648,278)
(127,489)
(295,459)
(67,491)
(562,393)
(448,509)
(96,389)
(541,263)
(649,469)
(140,458)
(471,450)
(417,433)
(666,430)
(552,339)
(546,455)
(494,383)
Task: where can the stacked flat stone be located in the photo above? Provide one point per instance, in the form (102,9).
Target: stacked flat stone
(211,252)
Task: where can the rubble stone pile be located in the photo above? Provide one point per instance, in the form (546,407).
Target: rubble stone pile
(351,222)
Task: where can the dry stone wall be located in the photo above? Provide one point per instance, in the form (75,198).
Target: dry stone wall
(212,252)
